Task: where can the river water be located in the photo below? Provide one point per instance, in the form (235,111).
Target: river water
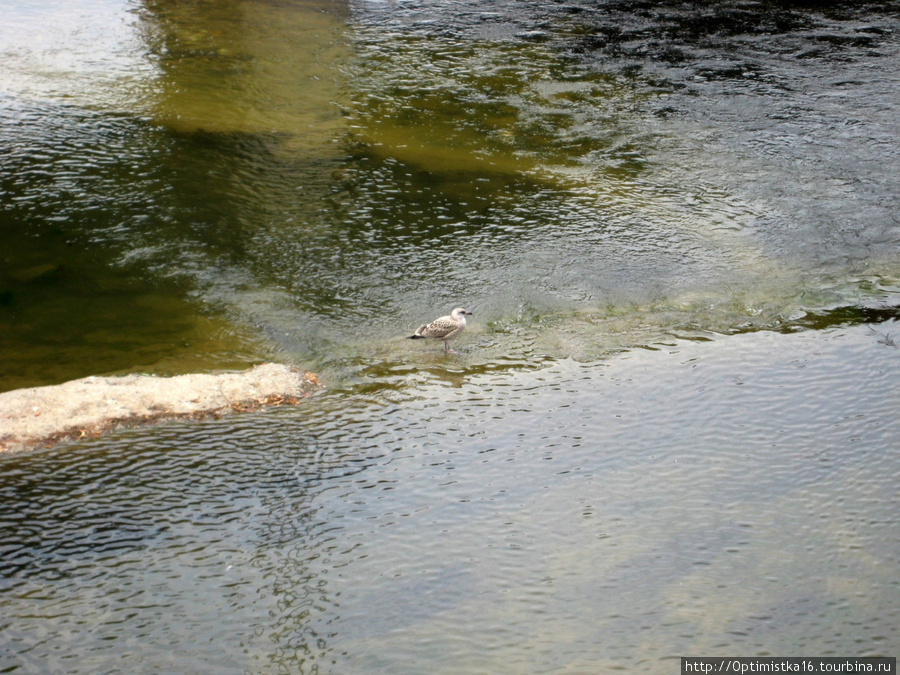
(671,428)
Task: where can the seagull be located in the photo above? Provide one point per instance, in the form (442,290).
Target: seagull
(446,328)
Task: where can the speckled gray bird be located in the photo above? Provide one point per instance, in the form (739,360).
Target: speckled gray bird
(446,328)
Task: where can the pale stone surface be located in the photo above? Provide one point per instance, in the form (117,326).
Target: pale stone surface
(44,415)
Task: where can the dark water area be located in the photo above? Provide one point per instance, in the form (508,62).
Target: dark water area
(671,425)
(73,302)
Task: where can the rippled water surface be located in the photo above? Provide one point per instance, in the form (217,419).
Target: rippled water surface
(737,496)
(671,427)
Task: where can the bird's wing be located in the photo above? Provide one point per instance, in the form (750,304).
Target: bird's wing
(439,328)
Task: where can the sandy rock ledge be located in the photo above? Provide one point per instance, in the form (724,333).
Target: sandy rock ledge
(42,416)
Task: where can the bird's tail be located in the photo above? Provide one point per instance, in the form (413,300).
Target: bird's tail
(418,334)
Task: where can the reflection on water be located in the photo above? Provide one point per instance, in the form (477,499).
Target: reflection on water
(209,184)
(299,169)
(85,54)
(737,495)
(84,286)
(247,67)
(127,200)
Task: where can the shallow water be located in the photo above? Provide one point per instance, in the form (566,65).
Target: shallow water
(670,427)
(735,496)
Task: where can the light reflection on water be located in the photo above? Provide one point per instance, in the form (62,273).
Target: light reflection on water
(551,500)
(400,160)
(86,53)
(734,495)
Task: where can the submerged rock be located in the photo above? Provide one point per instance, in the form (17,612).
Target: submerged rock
(42,416)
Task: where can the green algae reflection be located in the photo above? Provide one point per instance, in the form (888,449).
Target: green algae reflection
(509,107)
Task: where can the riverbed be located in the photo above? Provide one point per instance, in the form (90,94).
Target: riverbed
(671,425)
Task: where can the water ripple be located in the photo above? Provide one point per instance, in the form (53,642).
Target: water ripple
(577,492)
